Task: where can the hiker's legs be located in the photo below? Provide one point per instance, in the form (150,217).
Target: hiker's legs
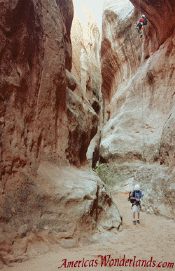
(140,33)
(134,209)
(140,29)
(134,216)
(138,214)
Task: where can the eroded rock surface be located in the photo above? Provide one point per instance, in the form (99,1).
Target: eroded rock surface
(138,85)
(83,121)
(68,206)
(86,65)
(35,52)
(44,116)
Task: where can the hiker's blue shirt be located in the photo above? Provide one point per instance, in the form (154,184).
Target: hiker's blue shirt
(136,195)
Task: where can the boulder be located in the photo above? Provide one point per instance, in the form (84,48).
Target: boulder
(62,205)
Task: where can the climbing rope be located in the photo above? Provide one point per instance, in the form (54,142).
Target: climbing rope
(143,155)
(139,9)
(141,83)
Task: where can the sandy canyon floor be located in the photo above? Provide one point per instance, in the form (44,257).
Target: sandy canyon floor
(152,242)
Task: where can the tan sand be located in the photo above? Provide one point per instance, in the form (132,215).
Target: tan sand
(153,237)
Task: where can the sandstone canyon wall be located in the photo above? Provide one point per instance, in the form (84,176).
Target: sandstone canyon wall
(46,124)
(138,85)
(86,66)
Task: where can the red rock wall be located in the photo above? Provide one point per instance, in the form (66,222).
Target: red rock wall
(138,75)
(41,117)
(161,17)
(35,51)
(34,122)
(138,85)
(43,114)
(161,25)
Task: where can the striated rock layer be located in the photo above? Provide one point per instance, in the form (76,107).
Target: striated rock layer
(138,85)
(44,116)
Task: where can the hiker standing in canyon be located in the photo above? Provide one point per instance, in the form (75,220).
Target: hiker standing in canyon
(142,21)
(136,205)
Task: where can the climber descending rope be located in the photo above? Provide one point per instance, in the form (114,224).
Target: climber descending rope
(142,21)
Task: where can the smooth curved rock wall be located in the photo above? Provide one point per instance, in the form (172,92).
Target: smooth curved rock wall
(138,85)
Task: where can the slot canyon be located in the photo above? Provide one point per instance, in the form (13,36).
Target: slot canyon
(76,101)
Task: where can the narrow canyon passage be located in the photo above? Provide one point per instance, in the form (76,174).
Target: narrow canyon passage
(75,92)
(154,237)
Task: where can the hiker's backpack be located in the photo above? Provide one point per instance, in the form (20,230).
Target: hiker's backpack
(145,21)
(129,198)
(132,200)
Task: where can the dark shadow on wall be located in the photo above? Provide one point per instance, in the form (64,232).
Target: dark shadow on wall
(151,82)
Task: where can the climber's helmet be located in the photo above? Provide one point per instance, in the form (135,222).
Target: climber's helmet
(137,187)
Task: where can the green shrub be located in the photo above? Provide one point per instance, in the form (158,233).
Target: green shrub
(108,174)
